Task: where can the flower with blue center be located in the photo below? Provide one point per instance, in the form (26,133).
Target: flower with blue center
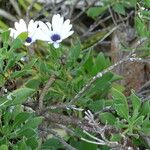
(31,29)
(57,31)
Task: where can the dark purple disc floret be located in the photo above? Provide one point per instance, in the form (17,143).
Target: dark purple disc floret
(55,37)
(29,40)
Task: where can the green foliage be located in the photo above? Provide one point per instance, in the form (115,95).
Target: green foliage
(132,118)
(23,78)
(96,11)
(120,104)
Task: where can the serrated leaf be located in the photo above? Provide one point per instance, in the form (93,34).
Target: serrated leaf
(136,102)
(101,62)
(121,111)
(120,103)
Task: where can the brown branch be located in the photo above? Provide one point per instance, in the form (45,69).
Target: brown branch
(56,118)
(57,136)
(45,90)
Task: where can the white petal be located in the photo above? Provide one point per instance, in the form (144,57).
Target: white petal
(66,29)
(17,25)
(49,25)
(41,36)
(22,25)
(44,27)
(55,19)
(12,32)
(67,34)
(27,44)
(57,23)
(43,33)
(56,45)
(32,26)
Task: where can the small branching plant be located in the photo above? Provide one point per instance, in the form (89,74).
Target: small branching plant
(58,94)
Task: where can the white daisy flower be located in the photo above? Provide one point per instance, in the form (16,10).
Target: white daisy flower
(31,29)
(57,31)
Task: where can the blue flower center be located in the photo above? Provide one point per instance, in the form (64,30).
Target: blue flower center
(29,40)
(55,37)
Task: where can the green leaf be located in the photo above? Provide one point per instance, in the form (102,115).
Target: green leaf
(22,145)
(17,43)
(101,62)
(33,122)
(146,125)
(74,51)
(10,64)
(121,111)
(5,38)
(96,106)
(120,103)
(32,142)
(116,137)
(2,80)
(102,83)
(96,11)
(23,36)
(119,8)
(82,145)
(33,83)
(21,73)
(3,147)
(22,94)
(147,3)
(136,102)
(117,86)
(52,144)
(141,27)
(88,65)
(28,132)
(43,67)
(107,117)
(139,121)
(3,101)
(145,108)
(21,118)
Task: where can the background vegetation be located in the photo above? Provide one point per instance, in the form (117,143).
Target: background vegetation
(92,93)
